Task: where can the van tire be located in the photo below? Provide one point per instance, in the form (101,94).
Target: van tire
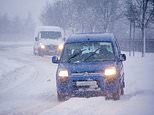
(117,94)
(40,53)
(122,91)
(61,97)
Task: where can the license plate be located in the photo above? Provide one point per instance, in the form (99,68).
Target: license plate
(86,83)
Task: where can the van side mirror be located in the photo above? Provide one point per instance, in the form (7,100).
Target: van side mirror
(55,59)
(64,38)
(122,57)
(36,38)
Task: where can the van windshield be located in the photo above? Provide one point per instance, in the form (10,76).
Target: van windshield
(50,34)
(87,52)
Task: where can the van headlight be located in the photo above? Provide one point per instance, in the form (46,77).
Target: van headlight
(60,47)
(42,45)
(110,72)
(63,73)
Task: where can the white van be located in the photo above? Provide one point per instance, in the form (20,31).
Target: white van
(47,40)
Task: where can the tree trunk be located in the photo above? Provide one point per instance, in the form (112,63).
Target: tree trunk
(130,38)
(143,41)
(144,6)
(134,44)
(82,29)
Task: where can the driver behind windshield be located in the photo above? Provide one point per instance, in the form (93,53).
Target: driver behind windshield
(87,52)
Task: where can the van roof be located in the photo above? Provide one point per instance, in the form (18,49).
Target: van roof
(83,37)
(48,28)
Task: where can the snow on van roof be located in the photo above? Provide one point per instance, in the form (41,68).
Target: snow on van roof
(48,28)
(90,37)
(45,28)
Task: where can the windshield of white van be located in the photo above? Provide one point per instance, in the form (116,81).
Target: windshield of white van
(50,34)
(87,52)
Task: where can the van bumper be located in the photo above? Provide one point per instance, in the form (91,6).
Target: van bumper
(71,88)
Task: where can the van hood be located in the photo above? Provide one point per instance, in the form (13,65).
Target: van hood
(86,67)
(51,41)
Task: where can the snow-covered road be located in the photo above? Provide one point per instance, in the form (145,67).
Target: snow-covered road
(27,86)
(27,82)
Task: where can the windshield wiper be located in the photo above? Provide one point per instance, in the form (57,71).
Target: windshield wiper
(93,53)
(75,55)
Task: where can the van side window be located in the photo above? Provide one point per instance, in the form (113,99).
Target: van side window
(117,48)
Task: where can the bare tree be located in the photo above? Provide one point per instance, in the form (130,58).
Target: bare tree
(4,23)
(132,15)
(142,13)
(81,15)
(107,13)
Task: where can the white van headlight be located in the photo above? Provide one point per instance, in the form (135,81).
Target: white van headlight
(42,45)
(60,47)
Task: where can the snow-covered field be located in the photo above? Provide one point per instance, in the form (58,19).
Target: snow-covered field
(27,86)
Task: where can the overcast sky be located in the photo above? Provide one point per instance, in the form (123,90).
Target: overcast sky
(22,7)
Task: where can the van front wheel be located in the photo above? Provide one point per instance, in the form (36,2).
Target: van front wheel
(61,97)
(40,53)
(117,94)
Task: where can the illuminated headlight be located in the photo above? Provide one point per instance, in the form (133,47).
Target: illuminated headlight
(110,71)
(60,47)
(63,73)
(42,45)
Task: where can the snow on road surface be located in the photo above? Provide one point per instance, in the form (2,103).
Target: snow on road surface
(27,82)
(28,87)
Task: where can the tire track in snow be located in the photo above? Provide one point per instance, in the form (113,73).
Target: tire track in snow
(11,80)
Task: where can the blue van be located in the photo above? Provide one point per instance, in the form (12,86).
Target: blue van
(90,65)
